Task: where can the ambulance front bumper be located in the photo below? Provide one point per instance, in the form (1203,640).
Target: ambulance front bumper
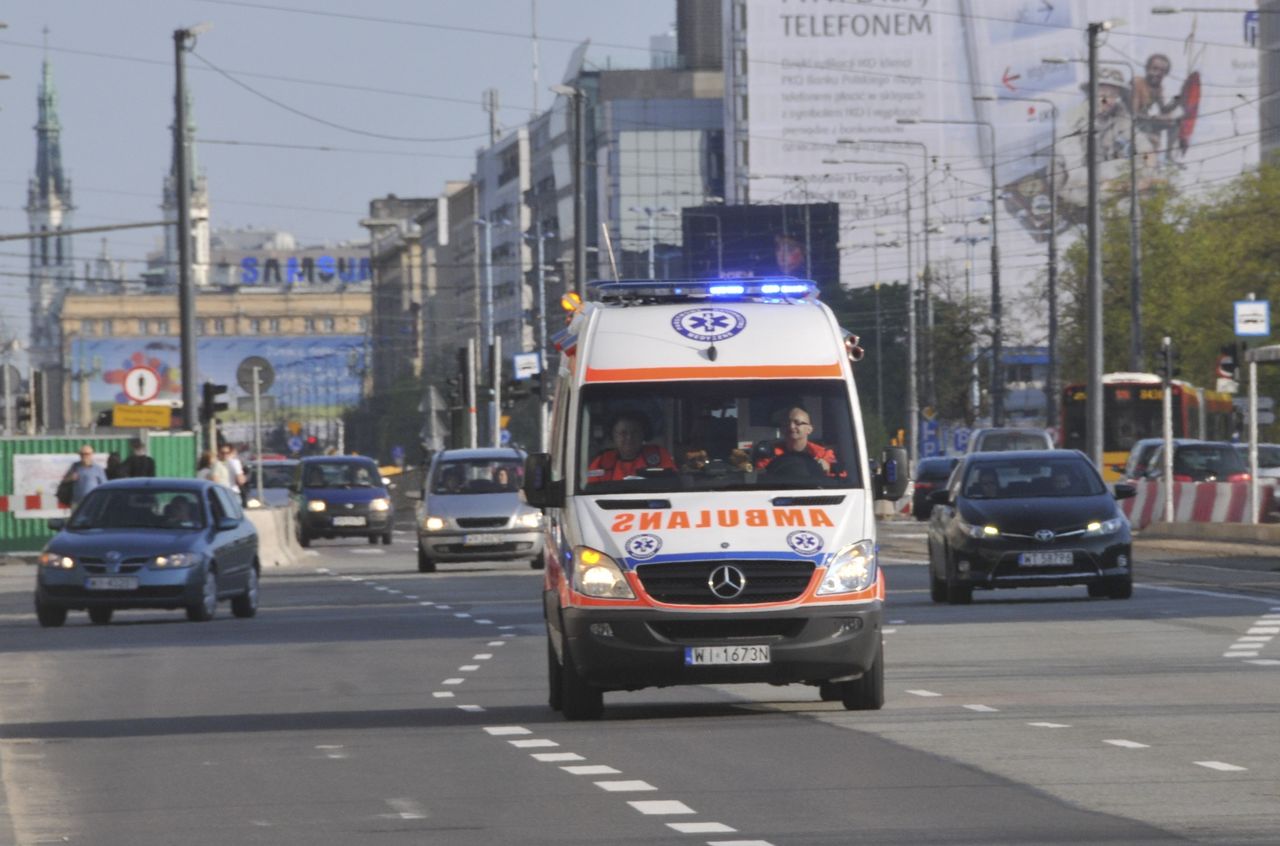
(642,648)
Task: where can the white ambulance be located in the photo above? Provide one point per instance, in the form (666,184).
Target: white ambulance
(708,495)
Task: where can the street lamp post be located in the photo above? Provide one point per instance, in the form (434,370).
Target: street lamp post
(539,238)
(997,330)
(486,320)
(1093,293)
(970,241)
(1051,379)
(577,96)
(913,399)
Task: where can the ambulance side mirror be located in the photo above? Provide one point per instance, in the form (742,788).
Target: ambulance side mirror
(892,475)
(539,489)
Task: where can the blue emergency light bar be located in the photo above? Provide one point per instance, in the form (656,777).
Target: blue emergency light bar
(774,287)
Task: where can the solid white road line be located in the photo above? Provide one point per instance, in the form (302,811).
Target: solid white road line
(1050,725)
(633,786)
(1127,744)
(1264,662)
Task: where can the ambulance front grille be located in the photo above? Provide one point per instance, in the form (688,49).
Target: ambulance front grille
(689,582)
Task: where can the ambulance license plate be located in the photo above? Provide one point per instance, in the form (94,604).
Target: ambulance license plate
(1045,559)
(111,583)
(480,540)
(700,656)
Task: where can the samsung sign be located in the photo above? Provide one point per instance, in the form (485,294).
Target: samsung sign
(309,269)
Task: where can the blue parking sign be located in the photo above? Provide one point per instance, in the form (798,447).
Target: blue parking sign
(960,438)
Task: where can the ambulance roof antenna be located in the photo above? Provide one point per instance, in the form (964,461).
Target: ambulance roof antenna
(608,243)
(711,351)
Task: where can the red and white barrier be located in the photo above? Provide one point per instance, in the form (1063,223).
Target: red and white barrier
(1197,502)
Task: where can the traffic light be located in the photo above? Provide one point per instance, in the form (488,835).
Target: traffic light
(515,390)
(210,404)
(1168,360)
(22,411)
(1229,362)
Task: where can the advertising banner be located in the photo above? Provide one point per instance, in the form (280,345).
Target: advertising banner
(813,86)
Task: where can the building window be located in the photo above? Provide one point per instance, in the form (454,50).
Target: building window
(328,324)
(88,327)
(219,326)
(273,325)
(364,324)
(107,327)
(309,325)
(162,326)
(202,327)
(255,326)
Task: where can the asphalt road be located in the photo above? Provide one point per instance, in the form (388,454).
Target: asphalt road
(367,703)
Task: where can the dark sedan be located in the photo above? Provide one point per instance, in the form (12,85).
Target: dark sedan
(931,475)
(150,543)
(341,496)
(1028,519)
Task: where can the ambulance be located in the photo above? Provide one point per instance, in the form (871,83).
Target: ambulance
(708,497)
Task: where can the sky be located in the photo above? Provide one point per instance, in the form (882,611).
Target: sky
(392,89)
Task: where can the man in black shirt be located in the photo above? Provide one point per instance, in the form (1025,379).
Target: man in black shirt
(138,463)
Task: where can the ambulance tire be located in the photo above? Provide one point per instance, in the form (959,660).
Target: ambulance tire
(578,700)
(555,696)
(866,693)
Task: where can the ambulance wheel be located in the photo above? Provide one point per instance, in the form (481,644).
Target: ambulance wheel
(578,700)
(554,680)
(866,693)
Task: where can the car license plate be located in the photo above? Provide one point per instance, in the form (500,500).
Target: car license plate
(480,540)
(348,521)
(111,583)
(697,656)
(1045,559)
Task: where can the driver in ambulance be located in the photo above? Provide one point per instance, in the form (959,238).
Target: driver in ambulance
(796,428)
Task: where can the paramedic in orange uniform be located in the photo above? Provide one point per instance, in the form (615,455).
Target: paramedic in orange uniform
(796,429)
(630,454)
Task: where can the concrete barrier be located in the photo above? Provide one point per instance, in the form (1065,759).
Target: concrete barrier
(277,540)
(1198,502)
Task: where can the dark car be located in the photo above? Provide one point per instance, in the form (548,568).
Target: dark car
(277,475)
(1201,461)
(1139,465)
(931,474)
(150,543)
(341,496)
(1028,519)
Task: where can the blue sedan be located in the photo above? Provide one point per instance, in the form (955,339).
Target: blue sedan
(150,543)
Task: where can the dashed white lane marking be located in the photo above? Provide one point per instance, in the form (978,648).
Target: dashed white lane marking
(468,668)
(632,786)
(442,694)
(500,731)
(475,709)
(505,628)
(701,827)
(453,681)
(923,693)
(485,622)
(495,643)
(897,622)
(986,709)
(410,596)
(1221,766)
(444,607)
(1255,639)
(395,591)
(591,769)
(461,615)
(382,588)
(1264,630)
(658,807)
(482,656)
(334,752)
(556,757)
(1238,654)
(1050,725)
(1127,744)
(426,603)
(535,743)
(889,631)
(1265,662)
(407,809)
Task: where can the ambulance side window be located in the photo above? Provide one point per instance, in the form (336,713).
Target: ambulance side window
(559,430)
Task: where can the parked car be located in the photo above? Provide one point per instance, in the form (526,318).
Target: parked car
(1002,439)
(1268,459)
(1201,461)
(931,474)
(149,543)
(1028,518)
(341,496)
(277,475)
(471,510)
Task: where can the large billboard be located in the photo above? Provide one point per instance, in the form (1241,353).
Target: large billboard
(309,376)
(814,85)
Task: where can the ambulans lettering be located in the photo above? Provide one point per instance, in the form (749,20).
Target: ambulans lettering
(648,521)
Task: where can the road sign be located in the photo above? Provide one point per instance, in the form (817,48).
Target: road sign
(295,444)
(1253,318)
(244,374)
(294,427)
(142,416)
(1264,403)
(525,365)
(929,444)
(960,438)
(505,437)
(141,384)
(1266,418)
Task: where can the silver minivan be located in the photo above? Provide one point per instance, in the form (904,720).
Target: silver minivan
(471,509)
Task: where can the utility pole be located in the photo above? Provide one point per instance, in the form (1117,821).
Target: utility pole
(1093,310)
(577,97)
(186,288)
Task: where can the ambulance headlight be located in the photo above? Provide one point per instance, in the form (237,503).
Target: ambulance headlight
(596,574)
(853,569)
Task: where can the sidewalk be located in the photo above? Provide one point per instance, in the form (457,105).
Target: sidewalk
(1224,540)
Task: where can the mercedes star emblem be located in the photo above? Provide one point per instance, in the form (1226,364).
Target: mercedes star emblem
(727,582)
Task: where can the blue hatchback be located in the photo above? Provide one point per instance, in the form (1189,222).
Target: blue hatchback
(341,496)
(150,543)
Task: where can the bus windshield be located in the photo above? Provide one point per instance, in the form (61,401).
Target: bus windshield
(704,435)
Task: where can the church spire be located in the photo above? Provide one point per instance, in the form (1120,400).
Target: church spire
(50,186)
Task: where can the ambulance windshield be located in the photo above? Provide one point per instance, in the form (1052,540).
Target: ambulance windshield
(713,435)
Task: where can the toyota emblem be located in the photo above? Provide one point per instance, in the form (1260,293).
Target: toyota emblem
(1044,535)
(727,582)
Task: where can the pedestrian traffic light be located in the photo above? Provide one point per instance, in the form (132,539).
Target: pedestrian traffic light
(38,420)
(1228,362)
(22,410)
(1168,360)
(210,404)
